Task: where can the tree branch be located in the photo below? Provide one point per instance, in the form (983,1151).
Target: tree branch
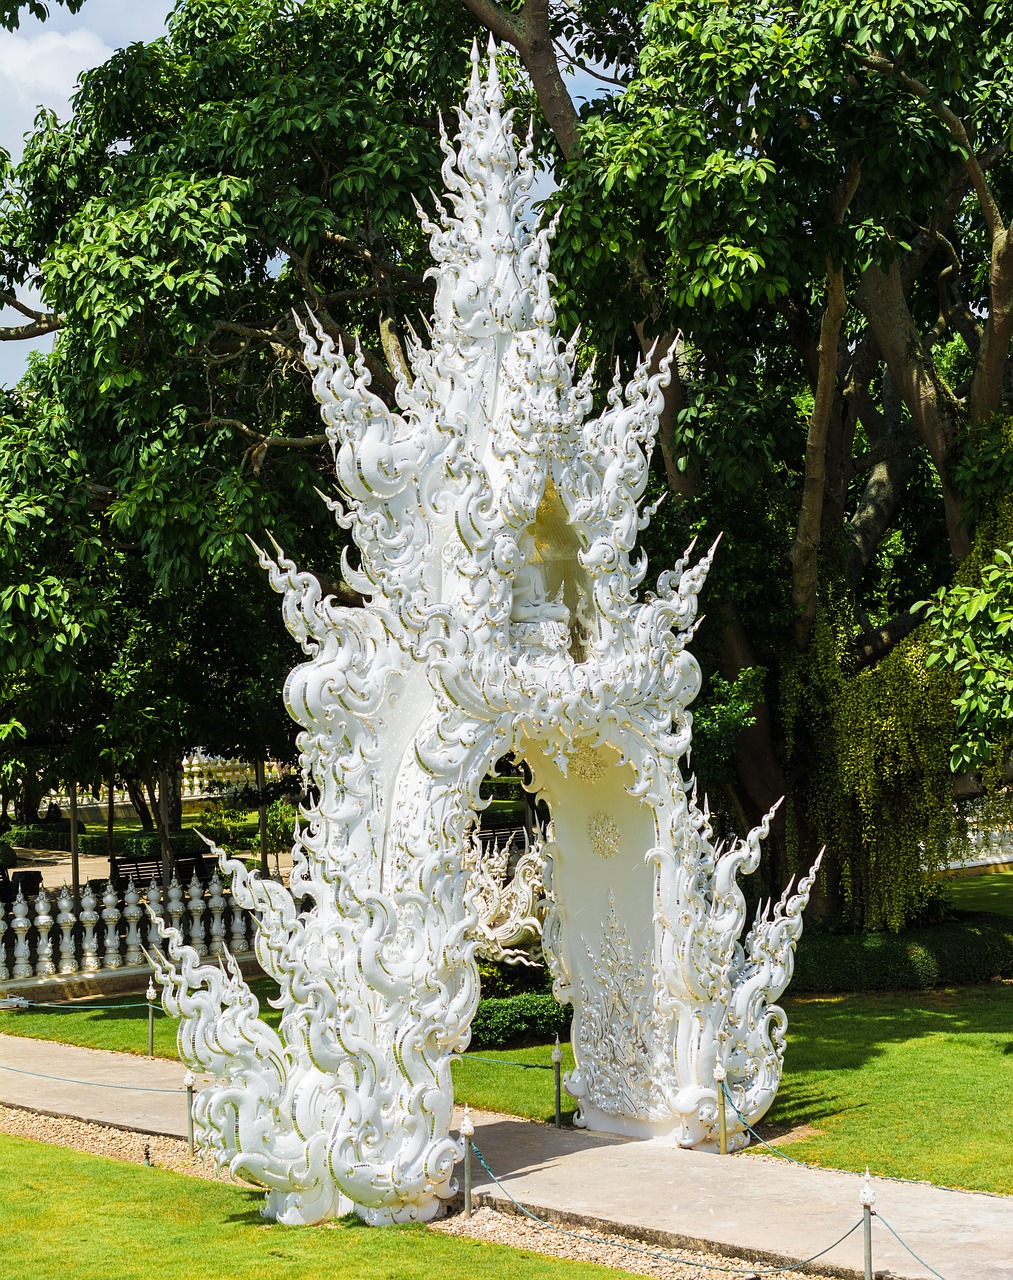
(265,441)
(881,297)
(986,198)
(877,643)
(43,322)
(528,32)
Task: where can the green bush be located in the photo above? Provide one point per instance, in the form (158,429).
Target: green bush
(528,1018)
(499,979)
(971,948)
(7,857)
(95,844)
(281,816)
(223,823)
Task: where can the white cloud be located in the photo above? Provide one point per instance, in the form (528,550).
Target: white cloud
(41,70)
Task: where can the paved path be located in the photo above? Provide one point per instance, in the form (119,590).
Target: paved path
(770,1209)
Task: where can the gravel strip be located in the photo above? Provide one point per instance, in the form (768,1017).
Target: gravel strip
(101,1140)
(606,1250)
(485,1224)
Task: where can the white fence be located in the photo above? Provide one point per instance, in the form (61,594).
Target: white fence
(97,935)
(203,777)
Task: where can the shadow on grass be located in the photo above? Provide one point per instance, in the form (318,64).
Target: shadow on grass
(830,1036)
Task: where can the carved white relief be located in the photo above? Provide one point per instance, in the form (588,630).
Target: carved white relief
(495,523)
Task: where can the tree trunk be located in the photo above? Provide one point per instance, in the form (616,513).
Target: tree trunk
(136,795)
(174,809)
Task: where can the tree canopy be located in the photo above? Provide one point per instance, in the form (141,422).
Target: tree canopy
(810,201)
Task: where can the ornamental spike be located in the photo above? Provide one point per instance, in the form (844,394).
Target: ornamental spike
(496,520)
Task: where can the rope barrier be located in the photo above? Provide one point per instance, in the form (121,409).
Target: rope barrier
(914,1182)
(508,1062)
(654,1253)
(907,1246)
(98,1084)
(78,1008)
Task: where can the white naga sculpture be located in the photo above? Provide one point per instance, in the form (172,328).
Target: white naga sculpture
(496,519)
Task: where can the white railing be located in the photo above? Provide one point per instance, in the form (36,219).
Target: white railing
(51,934)
(985,846)
(203,777)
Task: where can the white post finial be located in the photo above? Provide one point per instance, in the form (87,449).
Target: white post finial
(866,1194)
(467,1126)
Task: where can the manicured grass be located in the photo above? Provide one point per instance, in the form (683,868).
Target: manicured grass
(990,892)
(910,1083)
(118,1023)
(63,1214)
(481,1082)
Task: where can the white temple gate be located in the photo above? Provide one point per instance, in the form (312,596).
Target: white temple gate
(496,520)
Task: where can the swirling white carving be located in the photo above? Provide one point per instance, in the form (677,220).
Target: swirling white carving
(496,523)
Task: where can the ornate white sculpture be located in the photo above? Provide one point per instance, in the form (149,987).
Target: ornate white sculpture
(496,522)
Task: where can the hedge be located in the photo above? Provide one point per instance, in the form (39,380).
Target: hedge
(95,844)
(972,948)
(512,1021)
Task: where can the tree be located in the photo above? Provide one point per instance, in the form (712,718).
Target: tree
(808,200)
(261,157)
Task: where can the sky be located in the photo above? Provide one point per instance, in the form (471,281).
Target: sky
(39,66)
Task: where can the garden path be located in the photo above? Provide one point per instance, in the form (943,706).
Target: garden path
(765,1207)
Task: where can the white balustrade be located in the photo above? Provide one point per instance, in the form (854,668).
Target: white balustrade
(66,920)
(203,777)
(89,918)
(111,916)
(155,909)
(132,912)
(44,966)
(216,905)
(175,902)
(46,945)
(195,905)
(21,924)
(237,929)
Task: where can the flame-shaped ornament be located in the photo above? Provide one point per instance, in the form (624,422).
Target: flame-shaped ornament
(496,522)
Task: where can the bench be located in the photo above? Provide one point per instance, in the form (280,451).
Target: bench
(28,881)
(147,867)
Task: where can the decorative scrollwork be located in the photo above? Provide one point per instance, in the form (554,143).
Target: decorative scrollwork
(496,522)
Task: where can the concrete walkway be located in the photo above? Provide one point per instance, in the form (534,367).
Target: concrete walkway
(763,1208)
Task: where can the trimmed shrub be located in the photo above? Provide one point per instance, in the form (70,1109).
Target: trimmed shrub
(95,844)
(514,1021)
(971,948)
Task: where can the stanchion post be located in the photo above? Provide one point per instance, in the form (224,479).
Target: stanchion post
(467,1132)
(867,1198)
(557,1065)
(150,996)
(189,1080)
(719,1079)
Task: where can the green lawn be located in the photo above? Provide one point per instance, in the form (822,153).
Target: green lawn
(990,892)
(480,1081)
(907,1082)
(68,1214)
(911,1083)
